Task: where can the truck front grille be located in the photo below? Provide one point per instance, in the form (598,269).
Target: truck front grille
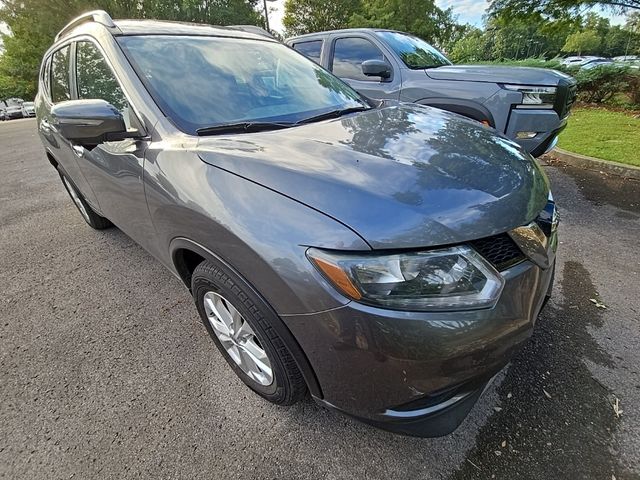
(566,97)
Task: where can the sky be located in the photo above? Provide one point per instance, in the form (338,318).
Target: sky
(468,11)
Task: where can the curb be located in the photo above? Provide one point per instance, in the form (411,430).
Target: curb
(583,161)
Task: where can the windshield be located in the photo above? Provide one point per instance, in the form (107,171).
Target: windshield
(414,52)
(202,82)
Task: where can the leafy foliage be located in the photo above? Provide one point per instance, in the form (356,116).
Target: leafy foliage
(34,24)
(422,18)
(556,8)
(600,84)
(306,16)
(582,42)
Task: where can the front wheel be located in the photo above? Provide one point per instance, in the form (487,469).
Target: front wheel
(92,218)
(240,324)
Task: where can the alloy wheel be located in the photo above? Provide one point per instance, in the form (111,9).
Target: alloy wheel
(238,338)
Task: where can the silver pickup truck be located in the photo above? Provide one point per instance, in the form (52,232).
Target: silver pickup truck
(528,105)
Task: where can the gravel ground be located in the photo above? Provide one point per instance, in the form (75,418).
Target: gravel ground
(107,372)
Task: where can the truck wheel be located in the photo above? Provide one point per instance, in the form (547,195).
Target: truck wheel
(239,323)
(94,220)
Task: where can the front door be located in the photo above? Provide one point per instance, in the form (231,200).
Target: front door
(348,53)
(55,87)
(113,169)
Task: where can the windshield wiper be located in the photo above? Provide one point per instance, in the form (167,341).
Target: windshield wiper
(243,127)
(332,114)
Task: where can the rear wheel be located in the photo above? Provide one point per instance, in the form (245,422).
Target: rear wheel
(92,218)
(240,324)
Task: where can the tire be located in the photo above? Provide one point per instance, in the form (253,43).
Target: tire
(211,283)
(94,220)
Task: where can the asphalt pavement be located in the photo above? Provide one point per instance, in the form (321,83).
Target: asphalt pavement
(107,372)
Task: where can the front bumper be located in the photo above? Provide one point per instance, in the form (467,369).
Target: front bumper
(545,123)
(418,373)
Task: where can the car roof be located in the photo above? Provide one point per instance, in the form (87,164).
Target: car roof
(343,30)
(163,27)
(99,19)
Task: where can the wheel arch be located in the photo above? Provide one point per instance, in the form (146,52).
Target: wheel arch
(187,254)
(466,108)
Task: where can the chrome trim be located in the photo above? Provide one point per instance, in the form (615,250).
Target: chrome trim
(534,244)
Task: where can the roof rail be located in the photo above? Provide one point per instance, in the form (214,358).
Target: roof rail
(98,16)
(252,29)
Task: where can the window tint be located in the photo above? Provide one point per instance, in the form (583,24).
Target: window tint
(311,49)
(348,55)
(95,79)
(414,52)
(60,90)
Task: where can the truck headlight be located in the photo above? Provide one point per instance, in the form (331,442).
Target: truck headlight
(455,278)
(534,96)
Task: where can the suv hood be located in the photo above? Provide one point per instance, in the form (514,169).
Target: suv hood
(401,176)
(493,74)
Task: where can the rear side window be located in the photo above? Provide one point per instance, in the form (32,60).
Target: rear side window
(94,77)
(45,77)
(311,49)
(348,55)
(60,90)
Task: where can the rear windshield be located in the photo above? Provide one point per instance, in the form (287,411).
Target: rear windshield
(414,52)
(202,82)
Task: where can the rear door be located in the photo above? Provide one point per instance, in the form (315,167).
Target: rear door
(348,51)
(114,169)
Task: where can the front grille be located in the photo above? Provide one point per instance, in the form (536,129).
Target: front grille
(565,98)
(500,250)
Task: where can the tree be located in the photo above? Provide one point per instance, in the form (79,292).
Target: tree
(33,25)
(582,42)
(306,16)
(557,8)
(422,18)
(474,47)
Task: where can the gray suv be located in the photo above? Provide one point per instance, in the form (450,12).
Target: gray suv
(389,259)
(528,105)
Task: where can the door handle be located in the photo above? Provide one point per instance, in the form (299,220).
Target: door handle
(44,125)
(78,150)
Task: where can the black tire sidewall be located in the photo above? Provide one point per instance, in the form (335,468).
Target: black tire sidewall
(214,278)
(95,221)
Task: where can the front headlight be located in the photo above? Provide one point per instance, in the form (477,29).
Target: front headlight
(455,278)
(534,95)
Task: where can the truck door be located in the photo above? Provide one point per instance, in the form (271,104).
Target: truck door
(347,54)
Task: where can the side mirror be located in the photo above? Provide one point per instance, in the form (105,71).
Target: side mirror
(89,122)
(376,68)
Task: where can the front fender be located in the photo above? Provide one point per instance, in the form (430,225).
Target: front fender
(466,108)
(260,233)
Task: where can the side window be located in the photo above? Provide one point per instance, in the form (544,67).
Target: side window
(45,77)
(311,49)
(60,90)
(95,80)
(348,55)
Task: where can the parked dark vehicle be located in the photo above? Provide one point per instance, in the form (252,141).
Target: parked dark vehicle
(387,258)
(528,105)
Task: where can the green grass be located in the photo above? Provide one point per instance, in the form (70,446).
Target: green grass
(604,134)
